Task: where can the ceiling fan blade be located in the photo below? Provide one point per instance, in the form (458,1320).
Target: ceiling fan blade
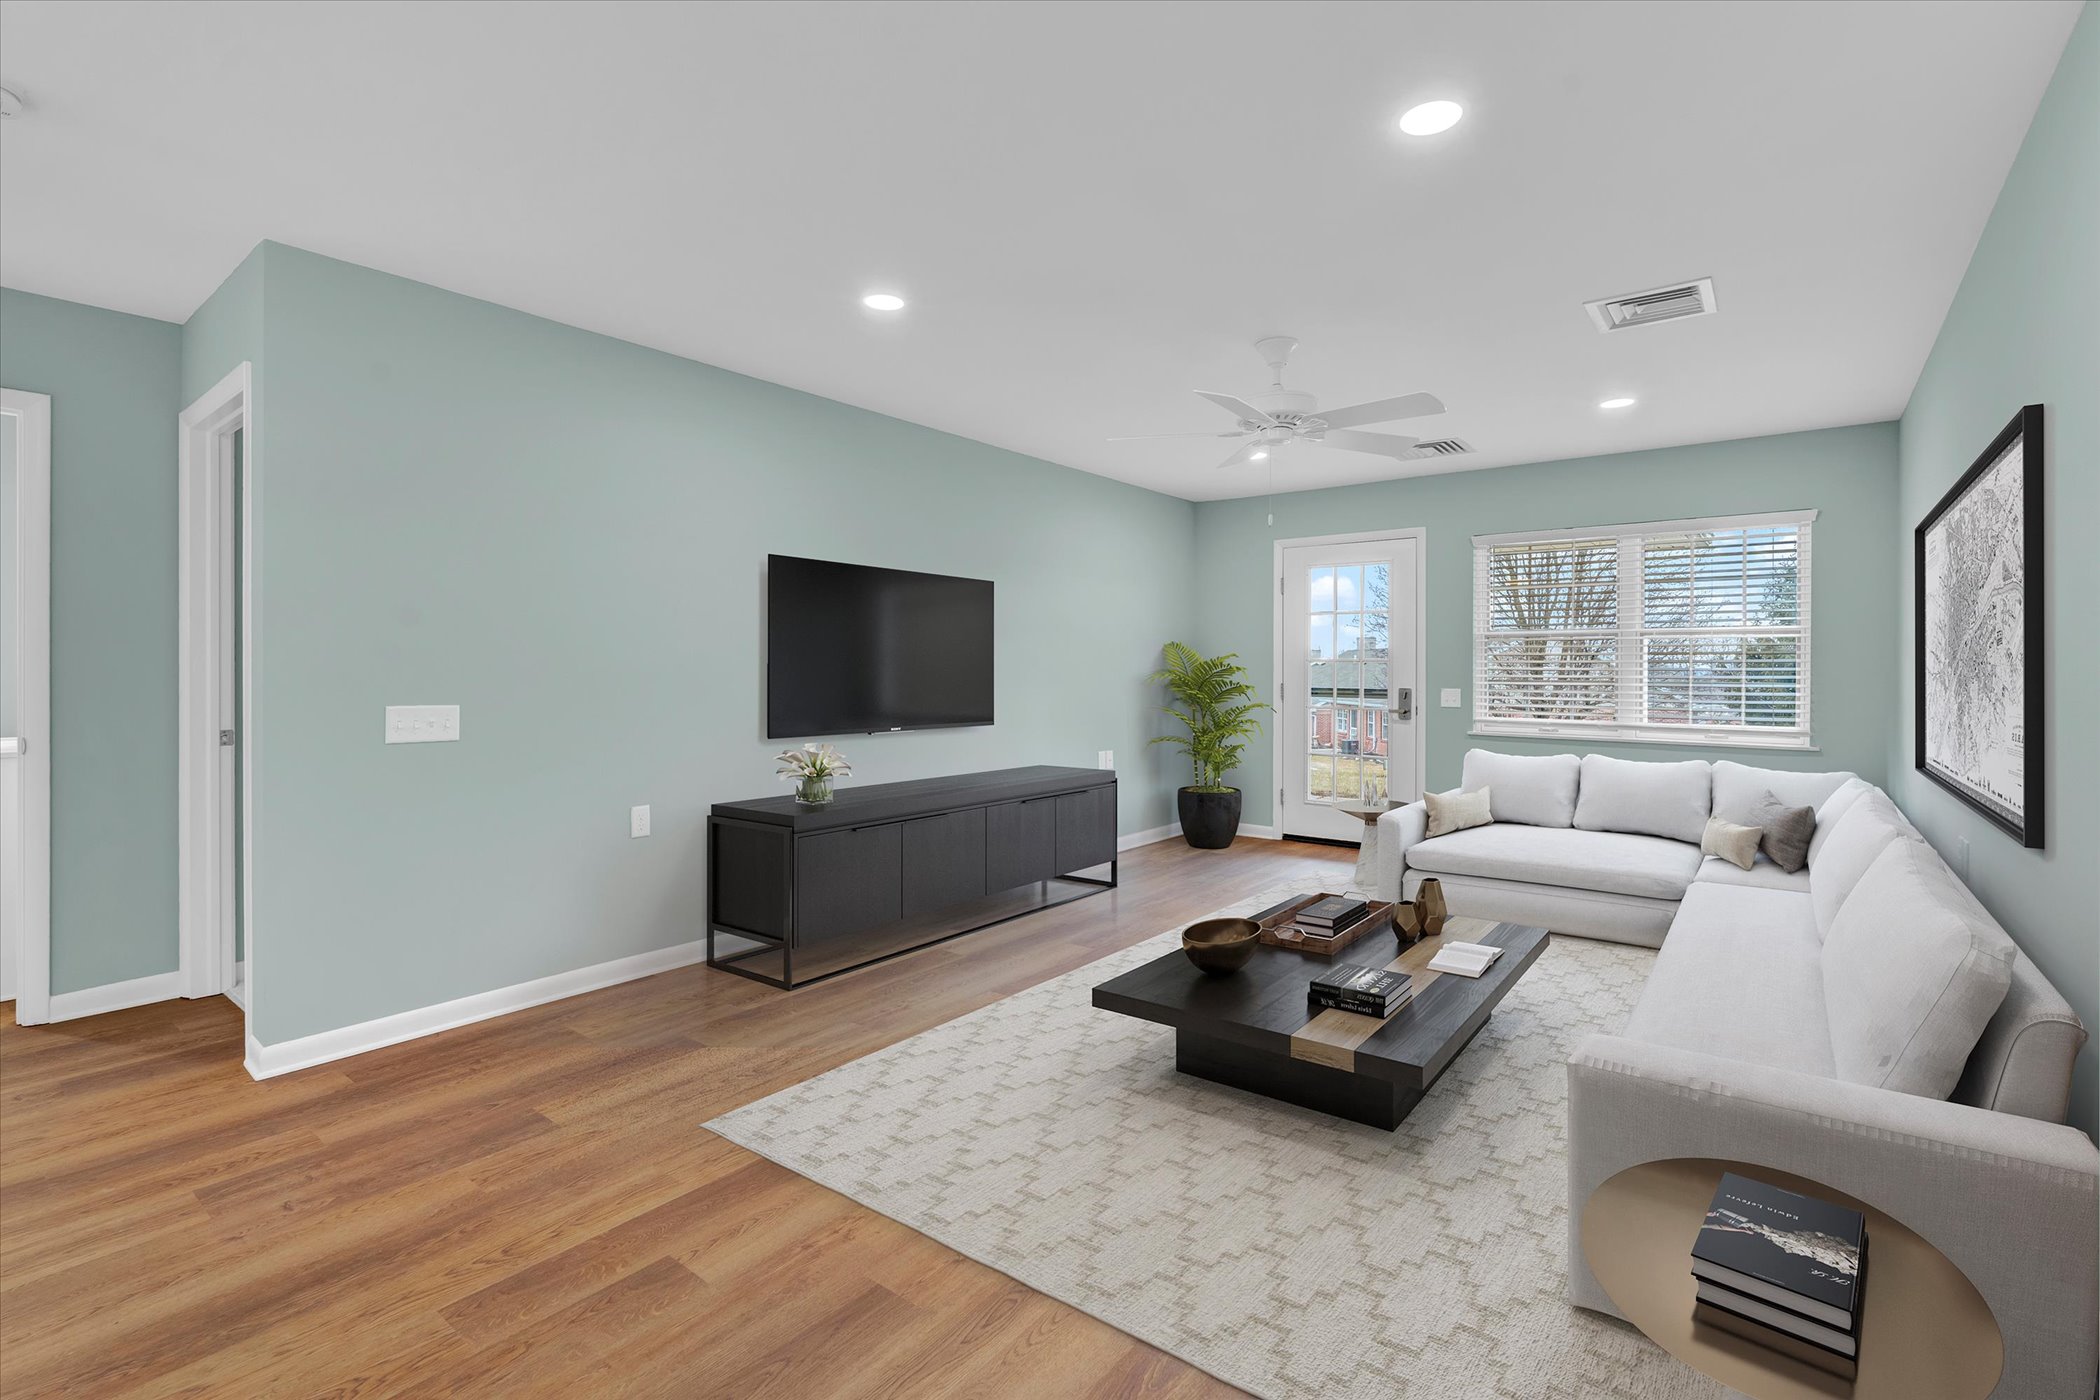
(1382,444)
(1242,457)
(1149,437)
(1238,408)
(1382,411)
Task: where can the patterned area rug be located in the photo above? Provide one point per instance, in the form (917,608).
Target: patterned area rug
(1287,1252)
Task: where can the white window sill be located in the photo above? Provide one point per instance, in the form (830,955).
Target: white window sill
(1698,739)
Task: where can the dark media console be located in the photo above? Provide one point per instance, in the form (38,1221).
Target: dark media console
(891,867)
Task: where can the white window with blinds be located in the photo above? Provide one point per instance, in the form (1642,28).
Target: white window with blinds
(1684,631)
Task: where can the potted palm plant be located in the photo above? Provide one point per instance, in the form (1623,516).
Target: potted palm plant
(1212,698)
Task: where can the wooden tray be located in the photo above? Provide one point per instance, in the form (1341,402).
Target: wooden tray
(1275,921)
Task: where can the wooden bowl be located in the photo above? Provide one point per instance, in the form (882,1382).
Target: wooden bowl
(1221,946)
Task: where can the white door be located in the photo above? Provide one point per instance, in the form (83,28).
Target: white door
(25,704)
(1347,717)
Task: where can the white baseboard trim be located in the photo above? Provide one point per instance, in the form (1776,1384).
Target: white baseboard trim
(238,992)
(267,1061)
(1260,833)
(1146,838)
(115,996)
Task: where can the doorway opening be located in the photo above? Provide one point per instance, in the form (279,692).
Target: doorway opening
(1349,643)
(25,704)
(216,958)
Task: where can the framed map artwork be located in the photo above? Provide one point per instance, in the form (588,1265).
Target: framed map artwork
(1979,639)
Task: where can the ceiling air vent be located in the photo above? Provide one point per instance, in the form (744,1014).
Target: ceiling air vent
(1662,304)
(1441,447)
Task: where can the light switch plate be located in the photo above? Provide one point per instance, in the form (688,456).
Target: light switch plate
(422,724)
(638,821)
(1450,699)
(1106,758)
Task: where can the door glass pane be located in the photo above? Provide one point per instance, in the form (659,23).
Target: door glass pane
(1377,609)
(1320,638)
(1374,779)
(1319,777)
(1322,592)
(1348,587)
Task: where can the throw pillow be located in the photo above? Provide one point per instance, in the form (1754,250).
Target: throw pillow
(1787,831)
(1456,810)
(1735,844)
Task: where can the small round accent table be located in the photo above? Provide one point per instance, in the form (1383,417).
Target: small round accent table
(1367,854)
(1925,1332)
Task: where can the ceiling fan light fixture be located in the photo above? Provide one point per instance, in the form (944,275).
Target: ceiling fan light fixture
(883,301)
(1261,455)
(1429,118)
(1623,401)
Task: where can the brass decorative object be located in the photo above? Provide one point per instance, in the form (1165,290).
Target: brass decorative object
(1429,897)
(1221,946)
(1407,923)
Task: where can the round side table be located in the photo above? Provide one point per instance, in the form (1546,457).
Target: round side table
(1367,854)
(1925,1333)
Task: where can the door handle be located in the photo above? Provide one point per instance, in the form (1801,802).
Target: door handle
(1403,703)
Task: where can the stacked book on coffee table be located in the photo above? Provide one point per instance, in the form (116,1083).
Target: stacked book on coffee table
(1783,1270)
(1368,991)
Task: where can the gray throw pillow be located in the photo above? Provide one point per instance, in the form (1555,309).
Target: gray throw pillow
(1787,831)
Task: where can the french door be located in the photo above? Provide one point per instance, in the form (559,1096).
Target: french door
(1347,714)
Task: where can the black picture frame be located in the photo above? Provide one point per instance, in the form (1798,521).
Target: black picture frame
(2025,825)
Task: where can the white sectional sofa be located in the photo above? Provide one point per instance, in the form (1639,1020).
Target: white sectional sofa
(1862,1022)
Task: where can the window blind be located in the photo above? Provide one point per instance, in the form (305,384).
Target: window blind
(1686,631)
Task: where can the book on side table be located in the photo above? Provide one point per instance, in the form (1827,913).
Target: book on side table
(1783,1270)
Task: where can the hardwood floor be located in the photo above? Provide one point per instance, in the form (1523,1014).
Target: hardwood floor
(529,1206)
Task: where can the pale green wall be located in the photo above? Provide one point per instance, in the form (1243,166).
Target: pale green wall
(564,534)
(7,575)
(2025,328)
(113,382)
(1848,474)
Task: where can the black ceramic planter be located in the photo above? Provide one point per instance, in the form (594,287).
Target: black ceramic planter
(1209,820)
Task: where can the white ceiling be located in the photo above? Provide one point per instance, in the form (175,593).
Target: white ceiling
(1093,208)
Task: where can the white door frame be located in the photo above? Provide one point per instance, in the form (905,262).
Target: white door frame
(1420,536)
(27,882)
(210,537)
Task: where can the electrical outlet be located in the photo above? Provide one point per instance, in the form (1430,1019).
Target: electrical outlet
(422,724)
(638,821)
(1105,759)
(1450,699)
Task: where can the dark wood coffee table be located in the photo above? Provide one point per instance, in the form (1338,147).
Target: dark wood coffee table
(1253,1029)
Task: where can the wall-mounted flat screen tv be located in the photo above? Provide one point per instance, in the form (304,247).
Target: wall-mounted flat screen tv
(857,650)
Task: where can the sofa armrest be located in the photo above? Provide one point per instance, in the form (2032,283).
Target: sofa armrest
(1397,830)
(2013,1202)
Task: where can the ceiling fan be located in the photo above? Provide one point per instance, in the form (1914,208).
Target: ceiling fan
(1269,420)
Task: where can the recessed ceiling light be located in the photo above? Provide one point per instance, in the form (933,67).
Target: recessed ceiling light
(1616,403)
(1430,118)
(883,301)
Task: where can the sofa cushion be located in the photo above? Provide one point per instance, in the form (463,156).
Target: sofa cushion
(1834,807)
(1868,825)
(1738,788)
(1762,875)
(1648,799)
(1738,977)
(1913,970)
(1610,861)
(1537,791)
